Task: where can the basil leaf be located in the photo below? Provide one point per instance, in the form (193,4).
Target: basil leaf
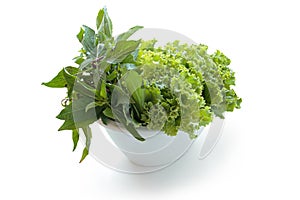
(57,82)
(84,154)
(67,125)
(75,138)
(88,136)
(80,35)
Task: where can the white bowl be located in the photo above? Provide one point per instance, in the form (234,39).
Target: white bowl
(158,149)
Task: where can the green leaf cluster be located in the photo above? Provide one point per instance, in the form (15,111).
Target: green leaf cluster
(133,82)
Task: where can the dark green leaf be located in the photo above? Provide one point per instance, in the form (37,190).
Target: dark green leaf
(76,115)
(103,92)
(84,154)
(99,18)
(80,35)
(66,113)
(57,82)
(133,83)
(68,125)
(75,137)
(112,76)
(78,60)
(88,136)
(108,113)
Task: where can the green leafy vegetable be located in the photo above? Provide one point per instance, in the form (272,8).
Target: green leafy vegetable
(135,83)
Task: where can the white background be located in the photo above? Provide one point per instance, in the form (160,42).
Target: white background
(258,154)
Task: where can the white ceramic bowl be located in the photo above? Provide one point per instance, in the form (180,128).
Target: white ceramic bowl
(158,148)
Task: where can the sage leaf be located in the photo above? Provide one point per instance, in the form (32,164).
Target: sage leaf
(88,41)
(122,50)
(104,24)
(126,35)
